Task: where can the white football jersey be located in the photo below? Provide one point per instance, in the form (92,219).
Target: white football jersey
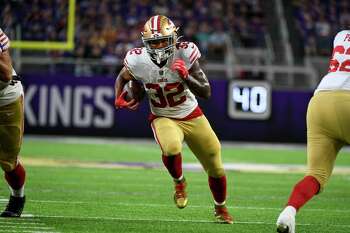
(14,90)
(168,94)
(338,77)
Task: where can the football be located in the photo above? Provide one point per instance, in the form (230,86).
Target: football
(135,90)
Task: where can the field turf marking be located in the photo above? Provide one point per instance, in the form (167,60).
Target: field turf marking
(142,141)
(29,227)
(166,205)
(25,224)
(175,220)
(245,167)
(28,231)
(20,223)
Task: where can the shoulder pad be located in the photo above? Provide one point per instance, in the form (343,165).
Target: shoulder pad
(131,59)
(189,52)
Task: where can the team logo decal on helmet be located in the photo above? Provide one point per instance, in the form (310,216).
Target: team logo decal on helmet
(157,28)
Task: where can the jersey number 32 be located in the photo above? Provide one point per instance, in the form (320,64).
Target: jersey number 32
(168,96)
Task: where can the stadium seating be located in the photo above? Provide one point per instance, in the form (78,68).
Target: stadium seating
(106,29)
(318,21)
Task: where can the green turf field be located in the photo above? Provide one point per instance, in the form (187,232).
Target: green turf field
(63,196)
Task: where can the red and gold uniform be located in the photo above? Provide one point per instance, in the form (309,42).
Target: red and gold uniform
(176,115)
(328,125)
(11,131)
(11,117)
(328,130)
(171,76)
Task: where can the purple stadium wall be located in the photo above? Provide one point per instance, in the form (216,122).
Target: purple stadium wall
(67,105)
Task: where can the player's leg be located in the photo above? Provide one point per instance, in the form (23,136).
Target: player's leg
(322,149)
(11,131)
(321,157)
(343,106)
(169,136)
(204,143)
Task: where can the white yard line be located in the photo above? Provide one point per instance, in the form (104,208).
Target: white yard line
(170,220)
(6,222)
(27,231)
(43,229)
(26,223)
(168,205)
(23,228)
(28,227)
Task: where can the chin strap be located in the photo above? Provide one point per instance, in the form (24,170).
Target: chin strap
(159,55)
(178,40)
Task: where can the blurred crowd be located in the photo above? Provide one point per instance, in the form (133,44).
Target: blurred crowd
(318,21)
(106,29)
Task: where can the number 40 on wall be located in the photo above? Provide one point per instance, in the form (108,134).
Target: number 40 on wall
(249,100)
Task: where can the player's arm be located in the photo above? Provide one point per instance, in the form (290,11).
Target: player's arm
(5,67)
(195,78)
(5,61)
(124,76)
(197,82)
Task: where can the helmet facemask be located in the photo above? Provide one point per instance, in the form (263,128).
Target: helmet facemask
(160,54)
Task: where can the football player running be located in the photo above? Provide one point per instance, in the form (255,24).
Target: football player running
(328,130)
(11,130)
(171,75)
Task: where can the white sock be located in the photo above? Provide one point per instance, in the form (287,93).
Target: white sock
(179,179)
(290,210)
(287,218)
(18,192)
(220,203)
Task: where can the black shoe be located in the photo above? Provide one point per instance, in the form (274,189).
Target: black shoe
(15,207)
(282,229)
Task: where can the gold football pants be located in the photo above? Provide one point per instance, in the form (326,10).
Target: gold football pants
(328,129)
(199,136)
(11,132)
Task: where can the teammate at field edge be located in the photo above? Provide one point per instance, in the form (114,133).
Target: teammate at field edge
(11,130)
(328,130)
(172,77)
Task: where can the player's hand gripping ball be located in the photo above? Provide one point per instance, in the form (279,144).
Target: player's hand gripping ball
(134,90)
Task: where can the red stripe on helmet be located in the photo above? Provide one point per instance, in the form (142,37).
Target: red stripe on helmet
(152,23)
(158,23)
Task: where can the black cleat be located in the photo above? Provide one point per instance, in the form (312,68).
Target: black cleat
(282,229)
(14,207)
